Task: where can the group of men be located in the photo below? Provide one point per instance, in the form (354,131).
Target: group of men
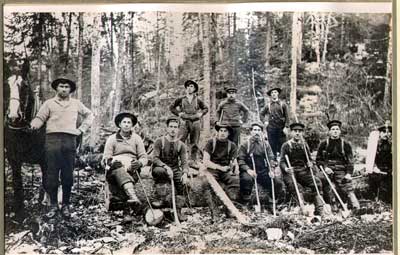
(273,164)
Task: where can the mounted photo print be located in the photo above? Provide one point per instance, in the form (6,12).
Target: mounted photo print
(198,128)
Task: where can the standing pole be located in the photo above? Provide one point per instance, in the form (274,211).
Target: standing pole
(255,95)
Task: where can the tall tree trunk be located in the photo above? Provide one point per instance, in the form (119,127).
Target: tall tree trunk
(205,32)
(68,42)
(95,80)
(317,37)
(80,55)
(213,59)
(268,39)
(234,53)
(326,37)
(342,30)
(300,34)
(387,97)
(159,44)
(296,24)
(120,65)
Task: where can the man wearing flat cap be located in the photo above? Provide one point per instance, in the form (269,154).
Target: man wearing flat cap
(190,109)
(336,156)
(256,160)
(124,152)
(277,119)
(381,179)
(295,149)
(60,114)
(170,162)
(232,112)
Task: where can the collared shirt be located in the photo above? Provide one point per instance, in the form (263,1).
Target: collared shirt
(61,116)
(132,146)
(231,111)
(276,113)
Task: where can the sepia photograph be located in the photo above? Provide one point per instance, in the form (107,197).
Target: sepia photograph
(198,128)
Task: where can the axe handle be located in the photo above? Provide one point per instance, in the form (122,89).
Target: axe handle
(333,188)
(255,182)
(295,185)
(174,203)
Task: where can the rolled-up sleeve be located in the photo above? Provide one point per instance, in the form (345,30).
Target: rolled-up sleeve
(43,114)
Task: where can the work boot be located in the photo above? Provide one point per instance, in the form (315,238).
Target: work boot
(181,216)
(66,211)
(319,206)
(353,200)
(53,211)
(130,192)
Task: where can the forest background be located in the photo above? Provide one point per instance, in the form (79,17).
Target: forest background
(329,65)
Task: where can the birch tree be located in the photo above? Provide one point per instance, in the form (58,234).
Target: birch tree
(204,34)
(80,55)
(296,25)
(387,98)
(120,65)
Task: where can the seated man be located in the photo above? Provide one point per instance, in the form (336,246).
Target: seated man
(256,150)
(380,180)
(300,167)
(125,154)
(170,161)
(220,159)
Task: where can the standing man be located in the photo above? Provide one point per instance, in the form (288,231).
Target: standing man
(170,162)
(229,112)
(300,166)
(190,109)
(336,156)
(277,119)
(60,115)
(380,180)
(256,149)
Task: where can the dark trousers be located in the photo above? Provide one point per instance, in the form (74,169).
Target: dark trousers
(230,182)
(160,176)
(381,186)
(303,179)
(191,130)
(264,183)
(60,157)
(235,136)
(276,138)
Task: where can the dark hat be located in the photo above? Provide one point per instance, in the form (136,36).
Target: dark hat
(270,91)
(296,125)
(122,115)
(219,125)
(384,127)
(172,118)
(233,89)
(55,83)
(334,123)
(189,82)
(257,123)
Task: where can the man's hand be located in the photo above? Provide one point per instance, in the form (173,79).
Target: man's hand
(310,164)
(106,162)
(136,165)
(266,123)
(271,174)
(328,170)
(376,170)
(169,171)
(289,170)
(252,173)
(185,179)
(35,125)
(347,177)
(224,168)
(286,131)
(199,115)
(181,114)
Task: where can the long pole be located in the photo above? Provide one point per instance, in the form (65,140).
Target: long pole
(258,208)
(272,180)
(255,95)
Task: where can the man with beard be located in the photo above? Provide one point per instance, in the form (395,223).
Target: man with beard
(380,180)
(190,109)
(255,150)
(300,167)
(60,115)
(170,162)
(336,156)
(229,112)
(277,122)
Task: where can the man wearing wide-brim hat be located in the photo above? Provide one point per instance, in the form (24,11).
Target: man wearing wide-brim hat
(296,149)
(335,155)
(60,114)
(381,179)
(124,152)
(220,159)
(256,160)
(234,113)
(191,110)
(275,116)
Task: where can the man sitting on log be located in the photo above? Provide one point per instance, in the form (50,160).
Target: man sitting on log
(170,162)
(220,159)
(125,154)
(336,156)
(253,163)
(380,180)
(300,166)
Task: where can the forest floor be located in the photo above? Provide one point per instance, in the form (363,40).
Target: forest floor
(94,230)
